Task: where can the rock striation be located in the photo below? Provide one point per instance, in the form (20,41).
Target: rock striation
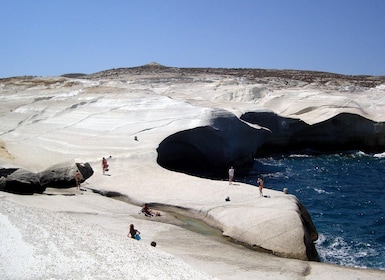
(193,120)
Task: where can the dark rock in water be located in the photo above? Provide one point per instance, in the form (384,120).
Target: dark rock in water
(63,175)
(209,151)
(343,132)
(19,181)
(311,233)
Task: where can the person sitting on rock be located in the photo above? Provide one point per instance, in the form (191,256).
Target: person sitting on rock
(134,233)
(149,212)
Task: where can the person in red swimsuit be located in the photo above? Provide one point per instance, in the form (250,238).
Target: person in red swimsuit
(104,165)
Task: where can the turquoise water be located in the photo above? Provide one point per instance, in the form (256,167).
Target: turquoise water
(345,195)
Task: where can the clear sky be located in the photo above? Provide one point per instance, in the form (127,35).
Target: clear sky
(54,37)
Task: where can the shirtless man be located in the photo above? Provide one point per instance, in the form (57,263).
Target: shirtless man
(78,178)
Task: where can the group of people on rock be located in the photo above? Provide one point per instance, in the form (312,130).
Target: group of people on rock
(148,212)
(135,234)
(259,180)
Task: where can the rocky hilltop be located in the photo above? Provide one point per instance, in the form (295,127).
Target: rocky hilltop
(250,74)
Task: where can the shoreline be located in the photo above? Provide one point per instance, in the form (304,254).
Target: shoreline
(218,258)
(182,217)
(46,120)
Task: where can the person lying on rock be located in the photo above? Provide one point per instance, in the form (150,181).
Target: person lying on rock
(149,212)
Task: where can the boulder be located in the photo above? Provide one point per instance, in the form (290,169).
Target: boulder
(19,181)
(63,175)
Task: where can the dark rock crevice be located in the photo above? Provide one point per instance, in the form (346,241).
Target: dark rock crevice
(311,233)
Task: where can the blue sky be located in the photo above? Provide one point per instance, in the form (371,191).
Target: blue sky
(53,37)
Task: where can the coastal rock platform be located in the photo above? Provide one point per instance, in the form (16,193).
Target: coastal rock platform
(152,121)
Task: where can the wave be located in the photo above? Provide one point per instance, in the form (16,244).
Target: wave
(382,155)
(344,194)
(299,156)
(321,191)
(337,250)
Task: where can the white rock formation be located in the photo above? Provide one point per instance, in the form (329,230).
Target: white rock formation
(126,115)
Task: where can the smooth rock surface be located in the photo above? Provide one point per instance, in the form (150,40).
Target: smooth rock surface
(127,113)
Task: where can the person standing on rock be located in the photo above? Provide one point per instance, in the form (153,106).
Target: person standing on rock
(78,178)
(231,175)
(104,165)
(260,185)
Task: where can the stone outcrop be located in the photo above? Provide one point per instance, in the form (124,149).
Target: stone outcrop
(63,175)
(21,181)
(209,151)
(311,233)
(343,132)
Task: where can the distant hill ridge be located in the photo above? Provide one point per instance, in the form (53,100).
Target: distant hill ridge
(156,69)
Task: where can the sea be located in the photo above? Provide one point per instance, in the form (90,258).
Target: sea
(345,196)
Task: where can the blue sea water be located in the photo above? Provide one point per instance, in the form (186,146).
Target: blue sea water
(345,196)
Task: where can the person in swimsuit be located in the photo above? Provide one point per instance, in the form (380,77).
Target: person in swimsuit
(260,185)
(104,165)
